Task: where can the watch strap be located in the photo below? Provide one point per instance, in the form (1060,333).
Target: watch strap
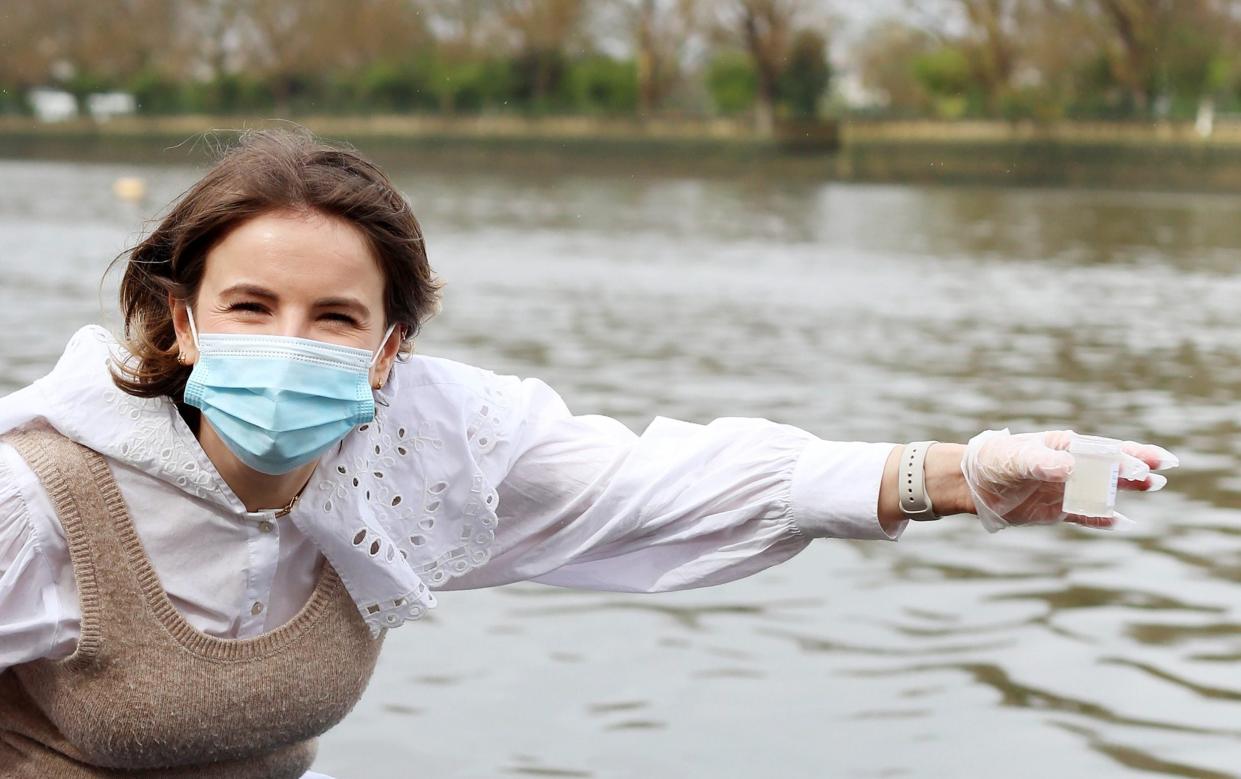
(915,502)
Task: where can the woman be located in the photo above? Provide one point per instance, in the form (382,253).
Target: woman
(260,479)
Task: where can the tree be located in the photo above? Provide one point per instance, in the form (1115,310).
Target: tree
(216,22)
(885,58)
(1150,49)
(994,39)
(1167,47)
(539,33)
(1130,33)
(765,30)
(989,35)
(660,31)
(104,42)
(296,44)
(806,75)
(460,27)
(766,27)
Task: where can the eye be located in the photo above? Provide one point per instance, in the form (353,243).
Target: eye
(257,308)
(342,318)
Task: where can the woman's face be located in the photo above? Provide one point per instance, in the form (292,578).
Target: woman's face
(294,274)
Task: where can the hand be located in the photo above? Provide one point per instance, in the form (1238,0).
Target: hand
(1019,479)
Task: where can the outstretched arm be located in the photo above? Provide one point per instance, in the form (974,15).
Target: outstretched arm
(1016,479)
(585,502)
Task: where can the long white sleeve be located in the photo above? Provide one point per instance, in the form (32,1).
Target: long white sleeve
(30,601)
(584,502)
(40,616)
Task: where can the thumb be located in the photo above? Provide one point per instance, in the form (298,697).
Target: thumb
(1050,465)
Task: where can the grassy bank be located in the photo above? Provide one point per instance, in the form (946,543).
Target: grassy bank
(190,134)
(1145,156)
(1124,156)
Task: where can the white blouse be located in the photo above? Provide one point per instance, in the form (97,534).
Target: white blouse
(578,501)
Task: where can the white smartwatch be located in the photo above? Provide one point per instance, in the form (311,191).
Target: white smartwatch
(915,502)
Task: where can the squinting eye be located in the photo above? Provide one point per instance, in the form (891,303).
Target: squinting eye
(256,307)
(341,318)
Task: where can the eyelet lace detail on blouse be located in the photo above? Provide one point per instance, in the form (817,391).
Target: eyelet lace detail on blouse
(440,526)
(154,440)
(147,433)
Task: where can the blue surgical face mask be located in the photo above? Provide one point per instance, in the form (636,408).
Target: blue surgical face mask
(279,402)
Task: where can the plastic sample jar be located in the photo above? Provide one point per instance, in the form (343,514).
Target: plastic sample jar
(1091,488)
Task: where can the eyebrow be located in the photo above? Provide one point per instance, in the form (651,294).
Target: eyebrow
(333,302)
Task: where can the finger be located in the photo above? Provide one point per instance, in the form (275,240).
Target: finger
(1058,439)
(1122,523)
(1098,523)
(1156,457)
(1117,521)
(1152,483)
(1132,468)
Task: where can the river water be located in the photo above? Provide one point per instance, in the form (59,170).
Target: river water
(857,312)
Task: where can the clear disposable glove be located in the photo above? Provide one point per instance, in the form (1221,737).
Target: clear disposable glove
(1019,479)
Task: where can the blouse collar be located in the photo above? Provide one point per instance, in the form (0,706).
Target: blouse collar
(341,509)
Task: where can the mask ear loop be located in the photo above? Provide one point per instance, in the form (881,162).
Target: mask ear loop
(193,330)
(379,351)
(380,400)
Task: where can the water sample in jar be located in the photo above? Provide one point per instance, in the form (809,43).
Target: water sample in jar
(1091,488)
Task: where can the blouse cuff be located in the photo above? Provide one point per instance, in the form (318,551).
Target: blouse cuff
(835,490)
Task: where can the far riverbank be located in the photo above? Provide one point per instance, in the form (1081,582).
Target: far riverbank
(1158,156)
(1109,155)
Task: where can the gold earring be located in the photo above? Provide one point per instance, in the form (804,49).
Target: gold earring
(181,358)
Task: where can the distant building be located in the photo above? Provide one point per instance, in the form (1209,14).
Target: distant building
(52,105)
(105,105)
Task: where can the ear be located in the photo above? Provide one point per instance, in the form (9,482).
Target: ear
(387,355)
(181,326)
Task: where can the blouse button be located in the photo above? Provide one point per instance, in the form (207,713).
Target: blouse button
(265,526)
(257,608)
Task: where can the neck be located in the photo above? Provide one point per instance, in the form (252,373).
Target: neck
(257,490)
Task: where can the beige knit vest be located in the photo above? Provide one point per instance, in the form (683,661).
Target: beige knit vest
(146,694)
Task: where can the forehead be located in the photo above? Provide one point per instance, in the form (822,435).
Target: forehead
(296,254)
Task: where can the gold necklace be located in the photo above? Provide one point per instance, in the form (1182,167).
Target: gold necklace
(288,507)
(284,512)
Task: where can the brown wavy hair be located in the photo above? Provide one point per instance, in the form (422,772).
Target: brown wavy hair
(266,170)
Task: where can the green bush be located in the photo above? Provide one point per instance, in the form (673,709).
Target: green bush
(539,80)
(13,100)
(156,94)
(946,77)
(944,72)
(603,85)
(396,87)
(85,83)
(732,82)
(1095,94)
(230,93)
(1037,103)
(1194,64)
(339,94)
(470,87)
